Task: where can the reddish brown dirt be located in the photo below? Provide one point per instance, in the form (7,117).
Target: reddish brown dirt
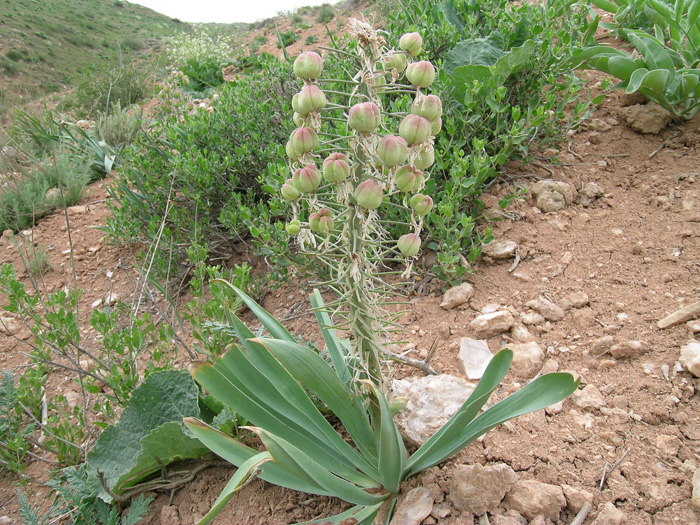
(635,253)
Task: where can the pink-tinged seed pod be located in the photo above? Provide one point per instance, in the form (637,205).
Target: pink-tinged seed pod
(392,151)
(309,99)
(369,195)
(307,179)
(435,126)
(425,159)
(414,129)
(421,204)
(395,61)
(321,221)
(291,152)
(336,167)
(304,140)
(427,106)
(293,227)
(298,120)
(409,244)
(308,65)
(421,74)
(408,178)
(364,117)
(295,102)
(289,191)
(412,43)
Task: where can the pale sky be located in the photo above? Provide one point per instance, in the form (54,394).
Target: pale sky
(227,11)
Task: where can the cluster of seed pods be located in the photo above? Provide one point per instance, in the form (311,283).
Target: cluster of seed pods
(397,163)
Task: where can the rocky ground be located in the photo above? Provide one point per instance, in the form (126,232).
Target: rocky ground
(604,246)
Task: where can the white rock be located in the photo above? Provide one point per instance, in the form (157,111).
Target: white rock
(690,357)
(432,401)
(532,498)
(696,489)
(547,309)
(488,325)
(551,195)
(578,299)
(588,398)
(111,298)
(520,333)
(500,250)
(528,359)
(554,409)
(9,325)
(478,489)
(628,349)
(531,318)
(610,515)
(602,344)
(576,498)
(457,295)
(474,356)
(414,508)
(668,445)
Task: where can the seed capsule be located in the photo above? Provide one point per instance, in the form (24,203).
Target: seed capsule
(369,195)
(364,117)
(421,74)
(409,244)
(435,126)
(289,191)
(408,178)
(427,106)
(293,227)
(392,151)
(421,204)
(425,158)
(309,99)
(321,221)
(414,129)
(307,179)
(336,168)
(298,120)
(412,43)
(304,140)
(308,65)
(395,61)
(291,152)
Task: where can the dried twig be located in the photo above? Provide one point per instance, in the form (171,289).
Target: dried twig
(606,472)
(663,144)
(582,514)
(415,363)
(516,262)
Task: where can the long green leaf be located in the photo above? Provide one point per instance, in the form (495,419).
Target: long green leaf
(236,483)
(636,80)
(315,374)
(540,393)
(237,454)
(360,514)
(335,347)
(297,462)
(656,80)
(269,322)
(622,67)
(655,54)
(606,5)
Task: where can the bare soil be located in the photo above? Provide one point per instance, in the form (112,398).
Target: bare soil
(634,252)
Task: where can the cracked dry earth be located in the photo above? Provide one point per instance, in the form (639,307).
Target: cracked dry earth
(614,263)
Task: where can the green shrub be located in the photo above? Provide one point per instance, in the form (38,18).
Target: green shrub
(311,39)
(14,55)
(286,39)
(120,127)
(326,13)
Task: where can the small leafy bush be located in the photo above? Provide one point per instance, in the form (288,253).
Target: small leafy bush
(200,44)
(326,13)
(121,126)
(203,75)
(311,39)
(286,39)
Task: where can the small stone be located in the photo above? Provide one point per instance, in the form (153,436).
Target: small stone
(9,326)
(522,277)
(78,210)
(500,250)
(588,398)
(646,118)
(5,520)
(488,325)
(520,333)
(111,298)
(528,359)
(610,515)
(628,349)
(599,125)
(554,409)
(576,498)
(414,508)
(696,489)
(551,195)
(690,357)
(441,510)
(473,358)
(589,193)
(547,309)
(457,295)
(532,498)
(96,303)
(667,277)
(478,489)
(531,318)
(169,514)
(668,445)
(578,299)
(432,401)
(602,344)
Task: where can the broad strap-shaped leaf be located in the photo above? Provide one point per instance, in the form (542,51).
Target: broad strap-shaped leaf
(606,5)
(654,52)
(442,440)
(472,52)
(236,453)
(257,399)
(297,462)
(361,514)
(538,394)
(656,80)
(336,348)
(636,80)
(621,67)
(392,452)
(236,483)
(315,374)
(271,324)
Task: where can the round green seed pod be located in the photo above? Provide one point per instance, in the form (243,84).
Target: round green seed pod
(308,66)
(412,43)
(392,150)
(293,227)
(336,167)
(364,117)
(304,140)
(414,129)
(425,159)
(408,178)
(435,126)
(421,204)
(409,244)
(395,61)
(369,195)
(309,99)
(421,74)
(321,221)
(289,191)
(427,106)
(307,179)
